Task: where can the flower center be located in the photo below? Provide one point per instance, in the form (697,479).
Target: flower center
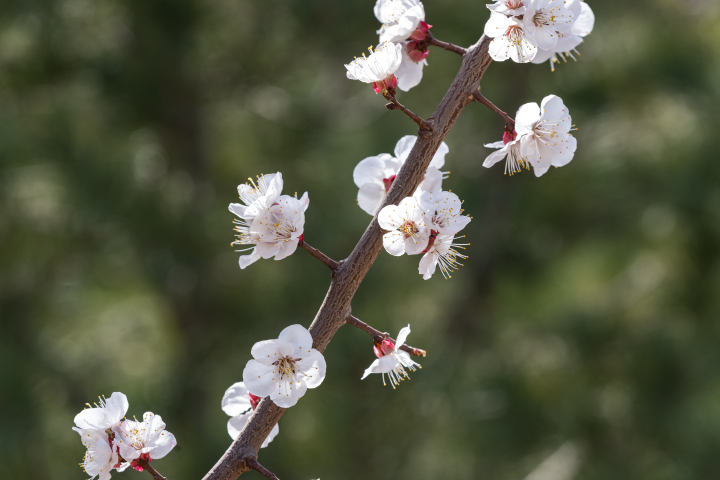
(286,367)
(409,229)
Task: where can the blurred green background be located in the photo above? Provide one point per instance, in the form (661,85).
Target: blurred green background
(580,340)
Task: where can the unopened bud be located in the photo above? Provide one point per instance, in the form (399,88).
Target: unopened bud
(383,348)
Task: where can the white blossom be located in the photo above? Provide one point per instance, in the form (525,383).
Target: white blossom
(509,150)
(544,19)
(544,134)
(408,232)
(399,18)
(285,368)
(410,72)
(239,404)
(392,360)
(511,8)
(569,41)
(108,414)
(375,175)
(100,457)
(510,39)
(443,252)
(379,68)
(269,224)
(443,212)
(147,440)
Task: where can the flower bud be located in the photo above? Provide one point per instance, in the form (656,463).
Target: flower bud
(509,136)
(383,348)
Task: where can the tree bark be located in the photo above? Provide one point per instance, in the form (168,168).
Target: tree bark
(348,276)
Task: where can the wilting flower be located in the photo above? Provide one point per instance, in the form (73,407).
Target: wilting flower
(443,252)
(378,68)
(544,19)
(408,232)
(147,440)
(268,223)
(285,368)
(400,18)
(510,39)
(239,404)
(544,134)
(512,8)
(375,175)
(392,360)
(568,41)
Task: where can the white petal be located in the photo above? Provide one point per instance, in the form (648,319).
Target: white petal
(285,394)
(585,22)
(258,378)
(305,201)
(394,243)
(525,117)
(370,197)
(273,433)
(236,424)
(312,365)
(369,170)
(266,249)
(438,160)
(410,72)
(274,189)
(390,217)
(402,336)
(404,146)
(269,351)
(246,260)
(417,243)
(427,265)
(236,399)
(497,25)
(297,336)
(237,208)
(286,248)
(163,444)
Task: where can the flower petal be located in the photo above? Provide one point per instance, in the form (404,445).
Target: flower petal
(402,336)
(313,366)
(299,337)
(236,424)
(236,399)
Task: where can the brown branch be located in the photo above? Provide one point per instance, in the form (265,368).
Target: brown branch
(425,126)
(351,272)
(146,465)
(255,465)
(509,122)
(378,336)
(332,264)
(447,46)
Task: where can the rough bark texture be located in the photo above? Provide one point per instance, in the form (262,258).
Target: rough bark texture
(347,278)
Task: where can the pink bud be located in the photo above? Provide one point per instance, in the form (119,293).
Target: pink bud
(383,348)
(509,137)
(388,182)
(254,400)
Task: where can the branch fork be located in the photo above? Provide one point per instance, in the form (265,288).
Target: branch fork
(255,465)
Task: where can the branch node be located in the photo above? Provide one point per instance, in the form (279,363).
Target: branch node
(391,106)
(255,465)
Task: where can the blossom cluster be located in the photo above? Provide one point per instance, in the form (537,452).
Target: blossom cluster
(115,443)
(537,30)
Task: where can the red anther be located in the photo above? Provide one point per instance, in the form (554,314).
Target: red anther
(388,182)
(383,348)
(431,240)
(301,238)
(509,136)
(254,400)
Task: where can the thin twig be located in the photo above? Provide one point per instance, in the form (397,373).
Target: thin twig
(447,46)
(255,465)
(146,465)
(379,336)
(509,122)
(425,126)
(332,264)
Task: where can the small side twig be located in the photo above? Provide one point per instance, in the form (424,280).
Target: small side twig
(146,466)
(447,46)
(425,126)
(379,336)
(332,264)
(509,122)
(255,465)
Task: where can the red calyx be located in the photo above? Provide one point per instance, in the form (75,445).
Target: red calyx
(421,32)
(144,456)
(417,51)
(431,240)
(509,136)
(383,348)
(388,182)
(390,84)
(301,238)
(254,400)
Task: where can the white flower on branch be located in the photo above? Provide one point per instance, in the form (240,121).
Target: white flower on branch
(375,175)
(408,232)
(443,252)
(147,440)
(544,19)
(96,427)
(512,8)
(270,224)
(410,72)
(443,212)
(542,139)
(392,360)
(285,368)
(400,18)
(510,39)
(379,68)
(569,41)
(239,403)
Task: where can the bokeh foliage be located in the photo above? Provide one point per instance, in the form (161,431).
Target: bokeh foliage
(587,315)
